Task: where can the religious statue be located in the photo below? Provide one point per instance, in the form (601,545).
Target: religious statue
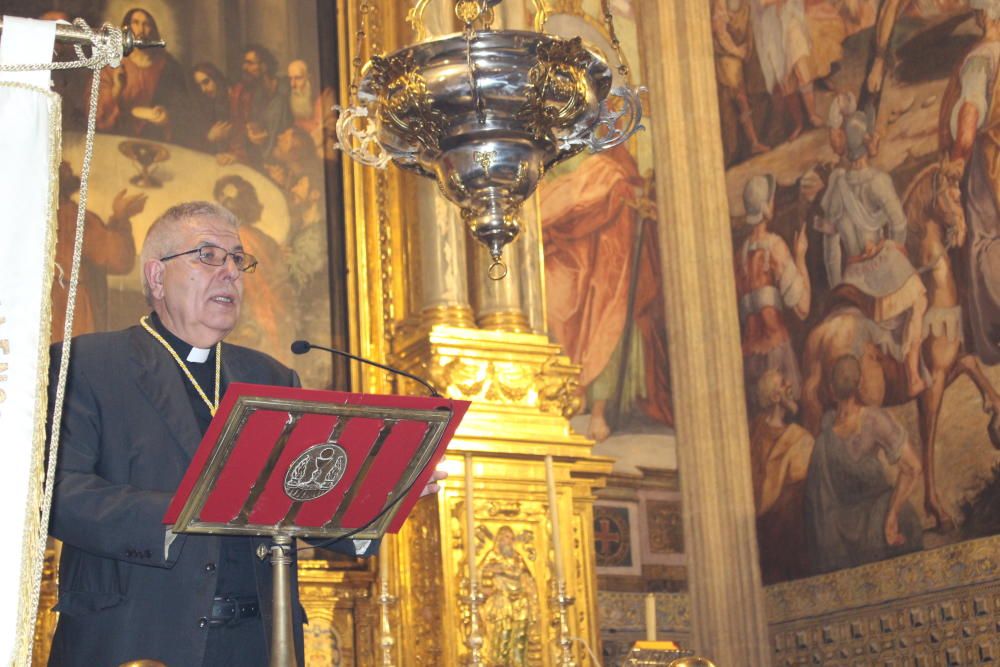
(510,608)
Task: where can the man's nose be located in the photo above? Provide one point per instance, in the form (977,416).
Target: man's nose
(229,268)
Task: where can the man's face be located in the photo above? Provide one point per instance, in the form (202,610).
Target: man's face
(206,84)
(298,76)
(505,543)
(197,302)
(251,65)
(787,397)
(141,25)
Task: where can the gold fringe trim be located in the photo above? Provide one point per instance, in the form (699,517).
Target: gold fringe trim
(34,533)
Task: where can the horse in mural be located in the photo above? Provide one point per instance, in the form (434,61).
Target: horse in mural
(935,224)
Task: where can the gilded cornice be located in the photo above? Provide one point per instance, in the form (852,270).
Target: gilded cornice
(521,386)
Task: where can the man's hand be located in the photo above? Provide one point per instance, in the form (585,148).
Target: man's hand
(125,205)
(160,117)
(800,243)
(432,483)
(256,134)
(219,131)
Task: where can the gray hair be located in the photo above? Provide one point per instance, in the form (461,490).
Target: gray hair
(162,236)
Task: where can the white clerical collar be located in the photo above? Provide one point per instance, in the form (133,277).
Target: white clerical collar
(198,355)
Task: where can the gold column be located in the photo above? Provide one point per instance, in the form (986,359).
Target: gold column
(532,267)
(728,615)
(498,302)
(443,284)
(522,391)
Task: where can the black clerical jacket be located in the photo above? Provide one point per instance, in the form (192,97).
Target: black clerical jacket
(128,434)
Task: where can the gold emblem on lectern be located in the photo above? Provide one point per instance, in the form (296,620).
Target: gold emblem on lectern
(315,472)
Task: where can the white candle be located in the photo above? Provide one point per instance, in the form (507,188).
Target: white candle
(650,617)
(550,480)
(470,524)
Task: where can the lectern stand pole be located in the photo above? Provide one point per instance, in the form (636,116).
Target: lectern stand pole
(282,642)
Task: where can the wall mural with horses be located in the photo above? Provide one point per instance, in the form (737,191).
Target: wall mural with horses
(863,170)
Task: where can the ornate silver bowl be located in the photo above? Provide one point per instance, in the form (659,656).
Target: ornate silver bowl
(486,116)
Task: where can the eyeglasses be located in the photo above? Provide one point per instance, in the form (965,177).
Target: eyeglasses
(213,255)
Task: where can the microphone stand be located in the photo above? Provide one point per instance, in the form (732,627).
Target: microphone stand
(303,346)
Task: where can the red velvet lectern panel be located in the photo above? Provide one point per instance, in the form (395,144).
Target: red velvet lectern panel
(312,463)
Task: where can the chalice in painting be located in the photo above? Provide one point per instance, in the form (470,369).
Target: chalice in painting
(145,155)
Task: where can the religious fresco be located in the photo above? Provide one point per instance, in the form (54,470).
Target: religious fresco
(237,110)
(605,308)
(860,176)
(602,264)
(604,300)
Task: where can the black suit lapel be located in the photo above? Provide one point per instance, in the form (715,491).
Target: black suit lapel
(161,383)
(234,368)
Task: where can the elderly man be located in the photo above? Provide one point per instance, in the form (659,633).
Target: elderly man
(137,403)
(310,111)
(779,456)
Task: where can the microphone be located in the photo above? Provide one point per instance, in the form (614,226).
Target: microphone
(303,346)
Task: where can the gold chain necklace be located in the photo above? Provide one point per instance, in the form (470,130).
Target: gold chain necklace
(144,321)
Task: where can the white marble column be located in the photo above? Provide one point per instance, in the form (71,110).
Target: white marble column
(729,622)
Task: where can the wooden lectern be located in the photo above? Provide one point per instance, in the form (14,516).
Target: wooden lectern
(326,465)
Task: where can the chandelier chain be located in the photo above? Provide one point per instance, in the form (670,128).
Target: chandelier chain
(366,35)
(609,20)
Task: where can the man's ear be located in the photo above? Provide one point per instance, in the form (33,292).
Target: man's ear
(154,271)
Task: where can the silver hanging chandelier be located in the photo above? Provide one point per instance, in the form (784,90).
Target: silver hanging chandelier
(485,113)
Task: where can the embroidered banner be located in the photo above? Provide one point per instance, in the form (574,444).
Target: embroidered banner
(30,141)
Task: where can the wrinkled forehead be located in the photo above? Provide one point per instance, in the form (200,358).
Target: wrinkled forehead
(203,230)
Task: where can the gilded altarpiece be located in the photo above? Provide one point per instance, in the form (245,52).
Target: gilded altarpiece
(524,391)
(422,301)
